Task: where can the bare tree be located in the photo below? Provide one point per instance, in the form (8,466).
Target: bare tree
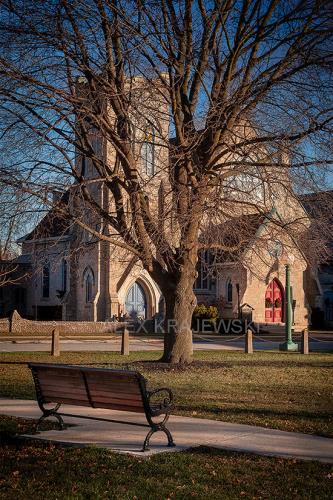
(13,215)
(244,85)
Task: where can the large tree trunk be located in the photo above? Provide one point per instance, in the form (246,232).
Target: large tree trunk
(179,306)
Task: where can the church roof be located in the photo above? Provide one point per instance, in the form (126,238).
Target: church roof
(56,223)
(319,207)
(318,203)
(231,238)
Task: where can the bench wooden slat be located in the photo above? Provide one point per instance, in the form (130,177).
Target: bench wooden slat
(110,405)
(94,383)
(55,370)
(60,389)
(118,385)
(94,393)
(114,388)
(102,393)
(101,396)
(53,391)
(111,376)
(55,376)
(62,381)
(120,407)
(93,388)
(47,385)
(93,379)
(131,402)
(67,401)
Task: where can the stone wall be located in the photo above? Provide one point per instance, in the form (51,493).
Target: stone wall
(4,325)
(16,324)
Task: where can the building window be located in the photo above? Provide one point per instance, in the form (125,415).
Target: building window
(97,144)
(89,283)
(243,185)
(46,281)
(148,152)
(229,291)
(64,275)
(206,275)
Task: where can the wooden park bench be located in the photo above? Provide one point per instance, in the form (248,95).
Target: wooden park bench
(121,390)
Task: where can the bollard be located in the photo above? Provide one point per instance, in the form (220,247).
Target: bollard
(125,342)
(305,341)
(249,341)
(55,344)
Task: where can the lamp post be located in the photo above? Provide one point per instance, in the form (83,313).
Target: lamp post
(288,344)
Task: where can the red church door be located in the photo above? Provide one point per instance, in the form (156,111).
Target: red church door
(274,302)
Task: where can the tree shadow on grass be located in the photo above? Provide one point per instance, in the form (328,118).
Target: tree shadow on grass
(216,365)
(262,412)
(157,366)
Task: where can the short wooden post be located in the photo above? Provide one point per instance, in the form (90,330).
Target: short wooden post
(55,345)
(305,341)
(125,342)
(249,341)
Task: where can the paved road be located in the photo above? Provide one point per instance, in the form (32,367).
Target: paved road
(270,343)
(187,432)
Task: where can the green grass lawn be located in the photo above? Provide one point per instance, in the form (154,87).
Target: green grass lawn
(286,391)
(34,471)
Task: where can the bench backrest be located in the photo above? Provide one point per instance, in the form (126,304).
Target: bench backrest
(96,387)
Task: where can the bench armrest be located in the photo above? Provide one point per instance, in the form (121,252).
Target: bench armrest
(160,406)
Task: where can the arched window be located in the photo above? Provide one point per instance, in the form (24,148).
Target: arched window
(64,266)
(229,290)
(249,183)
(206,273)
(88,276)
(148,152)
(46,281)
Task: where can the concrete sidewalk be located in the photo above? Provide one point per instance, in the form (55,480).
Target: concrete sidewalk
(187,432)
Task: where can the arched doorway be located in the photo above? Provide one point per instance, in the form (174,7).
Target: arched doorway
(136,304)
(274,302)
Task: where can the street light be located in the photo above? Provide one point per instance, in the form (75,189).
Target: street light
(288,344)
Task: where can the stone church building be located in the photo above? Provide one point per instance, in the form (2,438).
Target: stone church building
(76,277)
(97,282)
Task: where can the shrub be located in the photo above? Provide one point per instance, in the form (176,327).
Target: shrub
(212,313)
(200,311)
(203,312)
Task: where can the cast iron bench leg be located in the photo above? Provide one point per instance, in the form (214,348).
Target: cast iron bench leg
(50,413)
(171,442)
